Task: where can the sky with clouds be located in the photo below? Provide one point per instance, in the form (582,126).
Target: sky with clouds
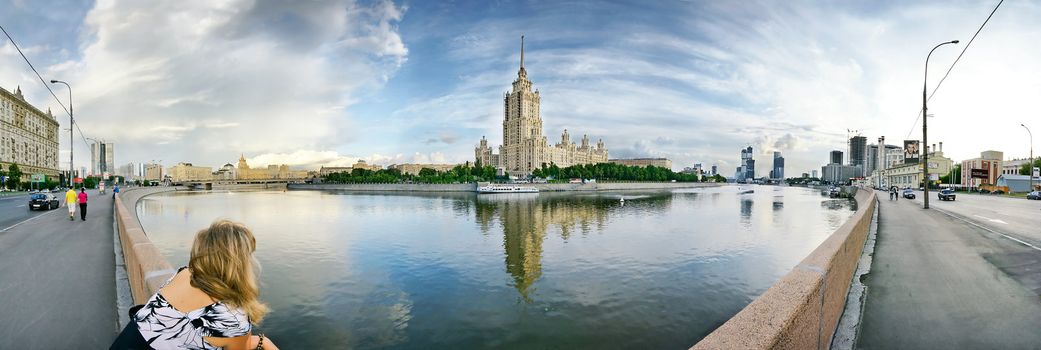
(312,83)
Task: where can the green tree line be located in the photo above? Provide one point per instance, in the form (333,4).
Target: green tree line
(613,172)
(484,173)
(458,174)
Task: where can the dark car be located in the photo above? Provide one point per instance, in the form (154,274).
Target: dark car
(946,195)
(1034,195)
(909,193)
(43,201)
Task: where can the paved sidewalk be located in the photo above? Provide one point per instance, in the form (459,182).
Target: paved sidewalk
(933,285)
(57,280)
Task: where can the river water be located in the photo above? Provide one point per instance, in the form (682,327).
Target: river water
(512,271)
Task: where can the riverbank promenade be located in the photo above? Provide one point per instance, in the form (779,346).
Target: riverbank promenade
(57,279)
(941,280)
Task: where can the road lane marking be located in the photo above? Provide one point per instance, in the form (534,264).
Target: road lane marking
(27,220)
(21,206)
(988,229)
(991,220)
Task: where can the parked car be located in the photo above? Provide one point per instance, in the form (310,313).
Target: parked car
(909,193)
(946,195)
(44,201)
(1034,195)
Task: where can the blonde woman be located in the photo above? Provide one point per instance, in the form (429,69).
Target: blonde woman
(209,304)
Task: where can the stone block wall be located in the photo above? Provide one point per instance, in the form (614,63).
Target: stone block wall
(802,310)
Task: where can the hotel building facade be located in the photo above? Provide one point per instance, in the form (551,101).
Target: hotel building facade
(523,148)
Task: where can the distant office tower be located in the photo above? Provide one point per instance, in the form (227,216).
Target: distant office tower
(128,171)
(102,158)
(872,159)
(858,151)
(778,171)
(836,157)
(813,173)
(747,171)
(714,172)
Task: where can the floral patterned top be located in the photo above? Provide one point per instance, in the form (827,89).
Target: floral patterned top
(164,327)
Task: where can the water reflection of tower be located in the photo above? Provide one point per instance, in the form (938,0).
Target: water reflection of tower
(746,207)
(525,220)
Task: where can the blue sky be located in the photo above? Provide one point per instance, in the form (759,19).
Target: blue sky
(329,82)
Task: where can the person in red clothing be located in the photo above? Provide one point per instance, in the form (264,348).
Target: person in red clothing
(83,203)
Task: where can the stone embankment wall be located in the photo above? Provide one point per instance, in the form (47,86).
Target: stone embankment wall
(146,267)
(604,186)
(802,310)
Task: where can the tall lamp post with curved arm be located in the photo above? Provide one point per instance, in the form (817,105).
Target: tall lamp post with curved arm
(72,168)
(1030,168)
(925,119)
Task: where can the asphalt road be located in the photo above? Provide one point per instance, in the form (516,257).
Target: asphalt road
(13,209)
(1016,217)
(57,279)
(940,282)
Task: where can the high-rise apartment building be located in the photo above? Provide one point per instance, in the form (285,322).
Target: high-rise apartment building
(858,151)
(102,158)
(836,157)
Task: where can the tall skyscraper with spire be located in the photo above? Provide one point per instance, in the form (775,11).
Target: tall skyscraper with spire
(523,148)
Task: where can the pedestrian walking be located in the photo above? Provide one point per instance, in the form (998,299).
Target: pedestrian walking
(83,203)
(115,191)
(70,201)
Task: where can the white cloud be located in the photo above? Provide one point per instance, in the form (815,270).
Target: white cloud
(204,80)
(309,159)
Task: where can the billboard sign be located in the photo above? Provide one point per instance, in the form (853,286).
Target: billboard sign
(38,178)
(980,173)
(78,180)
(911,151)
(1037,171)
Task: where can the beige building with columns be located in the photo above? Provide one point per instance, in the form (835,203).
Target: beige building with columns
(523,148)
(188,172)
(245,172)
(413,169)
(28,136)
(644,162)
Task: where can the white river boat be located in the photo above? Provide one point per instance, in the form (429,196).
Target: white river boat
(507,189)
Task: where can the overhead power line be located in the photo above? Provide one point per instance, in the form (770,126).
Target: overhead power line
(44,82)
(919,115)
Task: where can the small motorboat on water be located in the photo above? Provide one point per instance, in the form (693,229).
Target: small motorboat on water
(507,189)
(747,192)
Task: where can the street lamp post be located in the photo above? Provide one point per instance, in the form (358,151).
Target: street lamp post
(1030,168)
(72,167)
(925,119)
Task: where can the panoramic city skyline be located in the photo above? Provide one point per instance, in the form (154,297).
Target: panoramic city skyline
(327,83)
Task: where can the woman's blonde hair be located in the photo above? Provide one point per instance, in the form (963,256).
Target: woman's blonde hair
(222,265)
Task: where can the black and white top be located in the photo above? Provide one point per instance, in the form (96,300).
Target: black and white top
(164,327)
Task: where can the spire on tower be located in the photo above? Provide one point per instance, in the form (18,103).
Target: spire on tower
(522,52)
(522,72)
